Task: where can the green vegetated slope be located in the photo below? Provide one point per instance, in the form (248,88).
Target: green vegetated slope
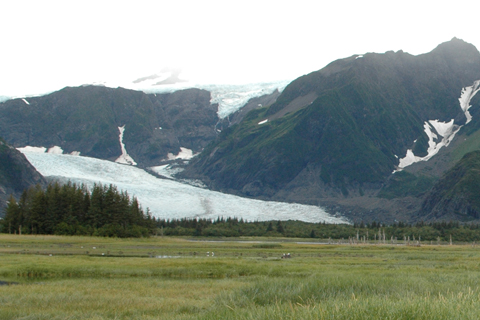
(87,118)
(456,195)
(340,130)
(16,173)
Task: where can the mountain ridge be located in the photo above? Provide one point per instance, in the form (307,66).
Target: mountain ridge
(16,173)
(333,137)
(340,131)
(87,119)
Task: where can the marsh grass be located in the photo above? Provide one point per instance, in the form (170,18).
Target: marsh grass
(244,280)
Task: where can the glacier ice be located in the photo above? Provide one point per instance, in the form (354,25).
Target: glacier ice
(230,98)
(169,199)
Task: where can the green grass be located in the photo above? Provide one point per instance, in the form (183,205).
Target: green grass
(471,143)
(404,184)
(243,280)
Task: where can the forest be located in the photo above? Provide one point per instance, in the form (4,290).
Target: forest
(70,209)
(400,232)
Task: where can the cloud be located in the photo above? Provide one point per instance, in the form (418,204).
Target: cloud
(57,43)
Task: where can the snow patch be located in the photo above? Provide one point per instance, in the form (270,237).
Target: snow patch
(55,150)
(124,158)
(52,150)
(184,154)
(466,96)
(447,130)
(264,121)
(358,57)
(32,149)
(25,100)
(169,199)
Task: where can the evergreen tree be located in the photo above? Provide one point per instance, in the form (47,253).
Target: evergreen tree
(72,209)
(280,228)
(270,227)
(12,215)
(38,211)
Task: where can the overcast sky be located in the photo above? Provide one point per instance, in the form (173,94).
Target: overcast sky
(50,44)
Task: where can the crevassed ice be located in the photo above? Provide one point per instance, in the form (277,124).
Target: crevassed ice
(230,98)
(170,199)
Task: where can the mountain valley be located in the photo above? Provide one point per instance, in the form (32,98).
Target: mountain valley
(369,136)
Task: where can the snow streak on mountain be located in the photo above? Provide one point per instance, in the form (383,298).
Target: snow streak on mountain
(446,130)
(169,199)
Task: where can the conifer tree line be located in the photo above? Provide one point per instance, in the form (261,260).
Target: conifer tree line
(373,231)
(70,209)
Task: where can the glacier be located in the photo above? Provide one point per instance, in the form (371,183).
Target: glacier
(168,199)
(230,98)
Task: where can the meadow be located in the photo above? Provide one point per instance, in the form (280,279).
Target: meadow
(71,277)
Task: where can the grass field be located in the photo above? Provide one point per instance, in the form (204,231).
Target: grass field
(173,278)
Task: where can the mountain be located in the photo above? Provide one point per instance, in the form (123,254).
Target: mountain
(339,133)
(367,136)
(455,195)
(16,173)
(95,121)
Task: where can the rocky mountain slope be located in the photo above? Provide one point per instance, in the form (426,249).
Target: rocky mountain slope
(456,195)
(16,173)
(88,120)
(367,136)
(338,133)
